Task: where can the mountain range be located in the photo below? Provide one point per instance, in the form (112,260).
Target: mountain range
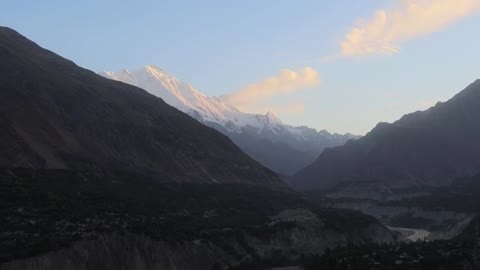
(283,148)
(99,174)
(423,149)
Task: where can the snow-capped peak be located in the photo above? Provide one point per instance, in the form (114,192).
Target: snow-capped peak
(178,94)
(258,135)
(272,119)
(154,69)
(210,110)
(123,75)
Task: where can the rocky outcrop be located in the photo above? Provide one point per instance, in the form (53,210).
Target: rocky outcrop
(290,234)
(122,252)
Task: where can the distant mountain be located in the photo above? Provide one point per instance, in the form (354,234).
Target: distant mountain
(281,147)
(55,114)
(425,148)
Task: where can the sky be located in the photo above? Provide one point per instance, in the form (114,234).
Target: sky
(337,65)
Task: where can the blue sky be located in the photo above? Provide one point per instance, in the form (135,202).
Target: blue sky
(221,47)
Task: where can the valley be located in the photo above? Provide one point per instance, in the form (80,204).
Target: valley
(260,167)
(446,212)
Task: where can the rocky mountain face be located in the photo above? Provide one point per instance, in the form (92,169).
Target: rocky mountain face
(283,148)
(100,174)
(422,149)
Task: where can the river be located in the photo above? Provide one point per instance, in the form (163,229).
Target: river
(411,233)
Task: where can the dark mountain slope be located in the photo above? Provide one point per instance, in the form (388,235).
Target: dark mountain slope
(55,114)
(428,148)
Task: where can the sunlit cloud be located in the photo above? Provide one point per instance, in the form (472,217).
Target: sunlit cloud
(285,82)
(389,28)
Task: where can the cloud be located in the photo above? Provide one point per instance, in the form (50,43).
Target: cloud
(384,33)
(285,82)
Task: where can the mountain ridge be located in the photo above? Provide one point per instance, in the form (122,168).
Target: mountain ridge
(424,148)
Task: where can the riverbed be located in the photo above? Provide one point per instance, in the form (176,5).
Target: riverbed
(411,233)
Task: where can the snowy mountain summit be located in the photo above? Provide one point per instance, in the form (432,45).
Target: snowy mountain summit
(245,129)
(186,98)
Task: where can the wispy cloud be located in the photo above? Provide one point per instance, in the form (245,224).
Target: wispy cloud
(384,33)
(285,82)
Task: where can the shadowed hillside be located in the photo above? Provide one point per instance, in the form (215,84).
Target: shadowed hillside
(427,148)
